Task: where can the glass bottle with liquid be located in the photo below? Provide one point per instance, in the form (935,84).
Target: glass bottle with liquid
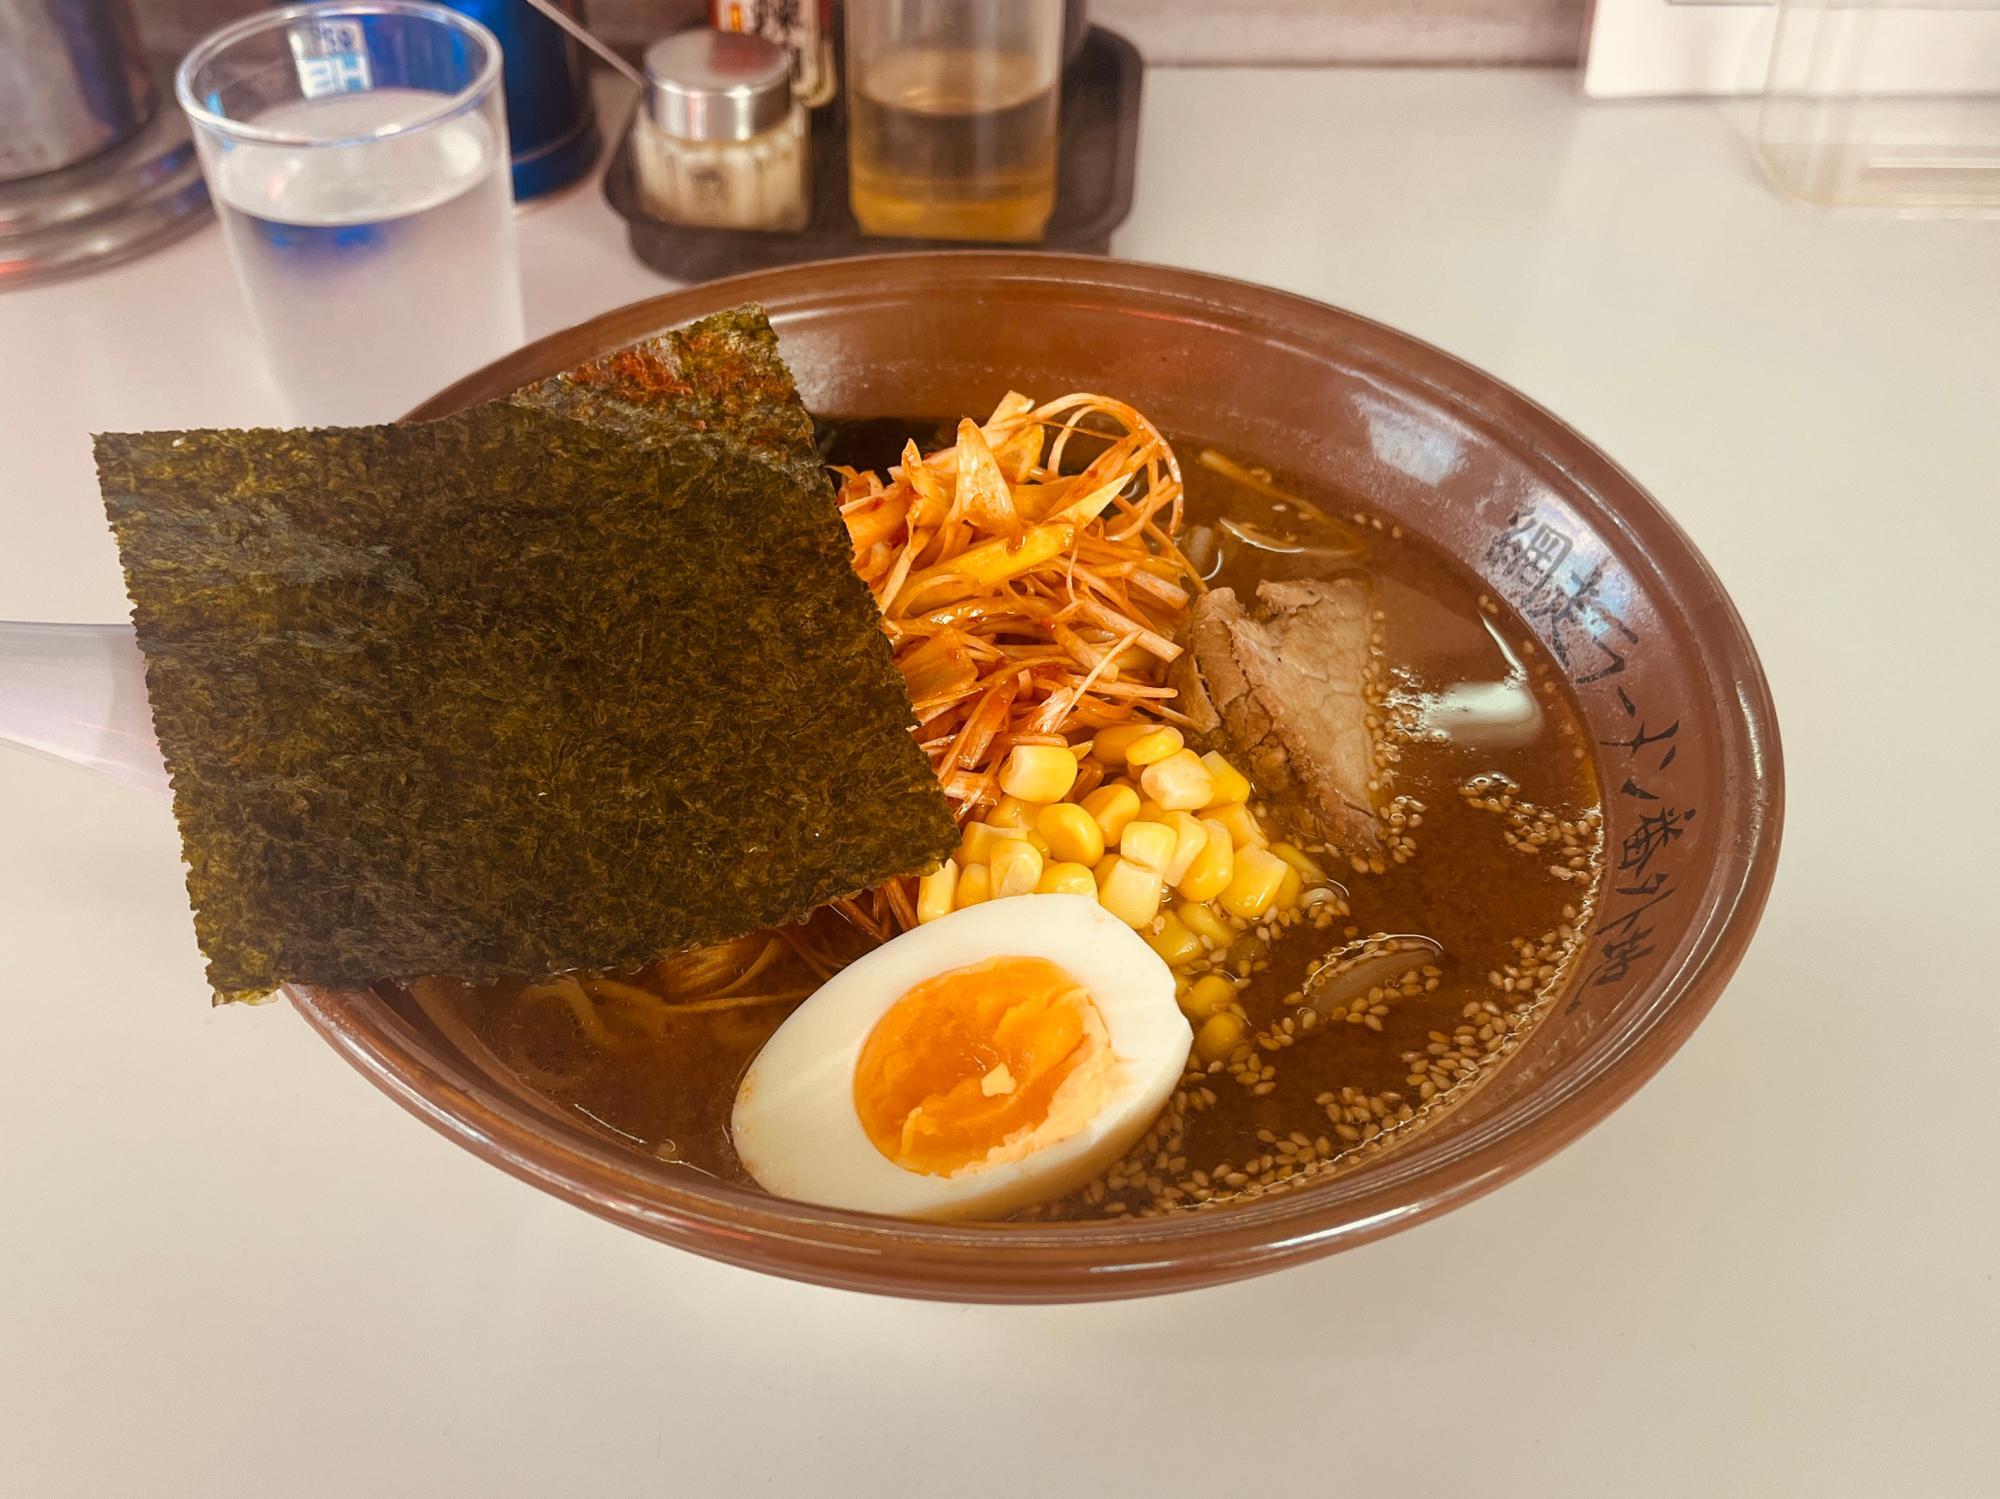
(951,116)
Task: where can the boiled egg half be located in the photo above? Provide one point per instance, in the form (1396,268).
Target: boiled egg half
(999,1056)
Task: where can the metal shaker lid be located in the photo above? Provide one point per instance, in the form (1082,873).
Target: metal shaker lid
(717,85)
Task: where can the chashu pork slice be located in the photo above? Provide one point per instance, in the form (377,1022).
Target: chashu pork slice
(1288,681)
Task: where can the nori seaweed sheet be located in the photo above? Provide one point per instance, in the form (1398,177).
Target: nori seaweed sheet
(722,373)
(508,694)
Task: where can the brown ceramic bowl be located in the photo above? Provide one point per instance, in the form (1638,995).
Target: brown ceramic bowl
(1612,588)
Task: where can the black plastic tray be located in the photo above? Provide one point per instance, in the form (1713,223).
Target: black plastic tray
(1096,154)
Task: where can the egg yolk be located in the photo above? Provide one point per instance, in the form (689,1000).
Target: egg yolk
(970,1063)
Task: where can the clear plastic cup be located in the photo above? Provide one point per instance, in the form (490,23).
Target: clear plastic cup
(357,156)
(1889,104)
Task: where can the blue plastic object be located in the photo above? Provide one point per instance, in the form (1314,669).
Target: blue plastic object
(551,120)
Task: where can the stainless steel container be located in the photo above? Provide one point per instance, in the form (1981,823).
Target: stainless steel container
(73,82)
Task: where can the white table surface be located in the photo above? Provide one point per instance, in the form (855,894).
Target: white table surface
(229,1267)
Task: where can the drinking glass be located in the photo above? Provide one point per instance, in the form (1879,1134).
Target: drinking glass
(357,156)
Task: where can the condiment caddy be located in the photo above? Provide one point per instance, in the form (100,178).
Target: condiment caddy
(1096,155)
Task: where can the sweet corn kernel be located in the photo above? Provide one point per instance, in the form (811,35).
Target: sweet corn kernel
(1041,843)
(1200,918)
(1231,785)
(1218,1036)
(979,839)
(1254,887)
(1147,844)
(936,890)
(1206,996)
(1066,879)
(1213,868)
(1180,783)
(1014,812)
(1110,744)
(1173,941)
(1113,807)
(1017,868)
(1289,889)
(1038,772)
(1071,832)
(1154,745)
(1190,838)
(1151,811)
(1308,867)
(1128,892)
(975,884)
(1241,822)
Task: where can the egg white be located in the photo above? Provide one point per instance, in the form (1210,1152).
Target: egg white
(795,1126)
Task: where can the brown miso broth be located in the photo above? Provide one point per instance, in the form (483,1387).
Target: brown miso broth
(1476,902)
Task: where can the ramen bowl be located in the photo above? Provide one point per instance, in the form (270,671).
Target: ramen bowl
(1615,595)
